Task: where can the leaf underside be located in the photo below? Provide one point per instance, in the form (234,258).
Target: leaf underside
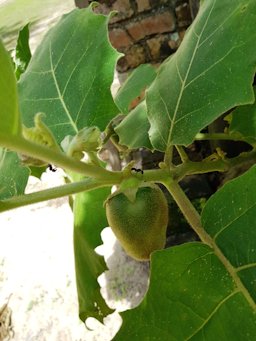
(211,72)
(70,75)
(192,294)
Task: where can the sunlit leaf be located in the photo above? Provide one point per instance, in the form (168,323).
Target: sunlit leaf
(202,293)
(211,72)
(70,75)
(191,297)
(229,218)
(13,176)
(9,113)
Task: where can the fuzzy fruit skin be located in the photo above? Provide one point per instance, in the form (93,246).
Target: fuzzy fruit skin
(140,226)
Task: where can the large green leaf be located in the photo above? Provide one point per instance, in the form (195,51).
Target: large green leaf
(244,121)
(229,218)
(191,297)
(9,113)
(211,72)
(70,75)
(133,130)
(137,81)
(197,293)
(89,220)
(13,176)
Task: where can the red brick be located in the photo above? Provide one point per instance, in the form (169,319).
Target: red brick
(183,15)
(119,38)
(143,5)
(102,9)
(124,10)
(159,23)
(154,45)
(133,58)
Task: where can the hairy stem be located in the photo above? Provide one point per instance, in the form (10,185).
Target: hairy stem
(52,193)
(22,146)
(207,166)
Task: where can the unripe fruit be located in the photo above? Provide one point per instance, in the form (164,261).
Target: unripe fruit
(140,225)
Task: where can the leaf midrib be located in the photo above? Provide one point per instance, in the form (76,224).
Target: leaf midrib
(59,93)
(173,120)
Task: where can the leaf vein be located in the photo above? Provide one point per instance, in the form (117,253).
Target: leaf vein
(218,27)
(210,67)
(212,314)
(186,76)
(59,93)
(232,221)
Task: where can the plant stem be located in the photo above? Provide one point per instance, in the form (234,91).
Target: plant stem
(194,220)
(22,146)
(168,157)
(183,155)
(52,193)
(188,210)
(205,166)
(219,136)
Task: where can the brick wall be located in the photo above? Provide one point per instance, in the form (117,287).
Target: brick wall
(146,30)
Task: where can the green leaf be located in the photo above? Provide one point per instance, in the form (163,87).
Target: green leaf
(229,218)
(37,171)
(22,51)
(70,75)
(244,121)
(132,88)
(196,293)
(9,113)
(133,130)
(13,176)
(191,297)
(211,72)
(89,220)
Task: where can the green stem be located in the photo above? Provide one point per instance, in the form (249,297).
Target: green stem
(168,156)
(220,165)
(183,155)
(188,210)
(52,193)
(103,177)
(22,146)
(219,136)
(194,220)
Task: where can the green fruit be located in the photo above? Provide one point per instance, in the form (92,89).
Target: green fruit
(140,225)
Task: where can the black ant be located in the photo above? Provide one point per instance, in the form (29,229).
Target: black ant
(52,169)
(137,170)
